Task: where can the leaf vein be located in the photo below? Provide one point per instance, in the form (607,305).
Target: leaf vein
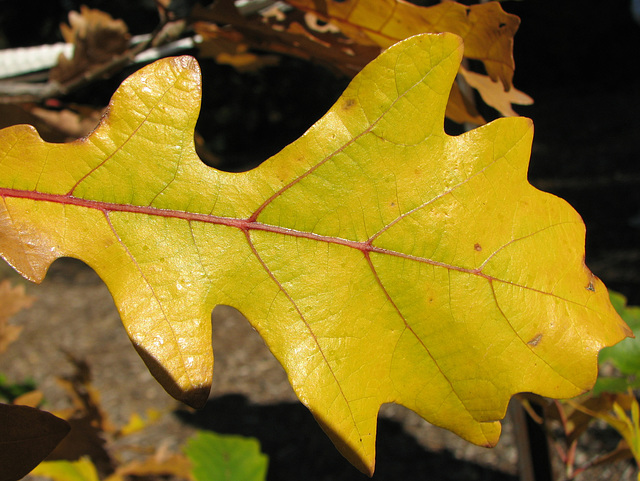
(304,321)
(122,144)
(150,286)
(368,129)
(441,195)
(246,225)
(524,342)
(408,326)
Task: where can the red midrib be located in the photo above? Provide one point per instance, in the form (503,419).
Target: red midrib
(245,225)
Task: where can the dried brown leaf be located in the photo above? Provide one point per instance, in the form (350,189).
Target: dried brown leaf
(345,36)
(494,94)
(175,465)
(486,29)
(89,422)
(460,110)
(230,48)
(97,38)
(12,300)
(295,33)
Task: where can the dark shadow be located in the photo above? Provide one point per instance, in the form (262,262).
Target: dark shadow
(195,398)
(299,450)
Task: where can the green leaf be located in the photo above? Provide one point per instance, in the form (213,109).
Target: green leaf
(12,390)
(380,259)
(626,354)
(606,384)
(217,457)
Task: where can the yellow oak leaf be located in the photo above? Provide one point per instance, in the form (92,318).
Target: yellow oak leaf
(381,259)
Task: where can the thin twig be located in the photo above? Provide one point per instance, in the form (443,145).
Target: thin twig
(22,92)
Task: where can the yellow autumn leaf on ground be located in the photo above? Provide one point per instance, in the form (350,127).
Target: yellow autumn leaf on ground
(380,259)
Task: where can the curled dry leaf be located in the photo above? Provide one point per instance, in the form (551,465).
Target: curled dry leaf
(282,33)
(97,38)
(345,36)
(486,29)
(230,48)
(493,93)
(12,300)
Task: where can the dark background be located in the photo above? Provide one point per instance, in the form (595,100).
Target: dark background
(578,60)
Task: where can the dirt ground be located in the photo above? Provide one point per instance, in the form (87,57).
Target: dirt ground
(586,150)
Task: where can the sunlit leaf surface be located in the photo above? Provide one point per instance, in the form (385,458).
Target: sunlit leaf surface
(380,259)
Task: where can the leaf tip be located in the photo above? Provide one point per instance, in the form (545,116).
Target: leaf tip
(194,393)
(196,397)
(361,454)
(186,62)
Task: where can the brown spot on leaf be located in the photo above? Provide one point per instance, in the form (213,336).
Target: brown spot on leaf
(591,285)
(477,247)
(535,341)
(348,104)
